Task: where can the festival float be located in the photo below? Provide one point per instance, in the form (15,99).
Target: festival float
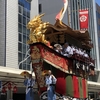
(71,73)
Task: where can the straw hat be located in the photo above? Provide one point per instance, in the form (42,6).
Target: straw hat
(58,45)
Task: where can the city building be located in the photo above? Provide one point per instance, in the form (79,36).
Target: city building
(98,24)
(14,16)
(94,30)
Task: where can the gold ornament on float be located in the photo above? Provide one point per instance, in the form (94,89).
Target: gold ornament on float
(37,30)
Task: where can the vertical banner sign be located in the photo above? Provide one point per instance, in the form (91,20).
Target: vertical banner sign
(83,19)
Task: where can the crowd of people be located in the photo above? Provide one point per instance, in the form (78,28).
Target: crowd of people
(69,51)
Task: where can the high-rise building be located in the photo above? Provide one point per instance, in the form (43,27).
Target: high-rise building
(98,24)
(15,14)
(24,8)
(92,27)
(94,31)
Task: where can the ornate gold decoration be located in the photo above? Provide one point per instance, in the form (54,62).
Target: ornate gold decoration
(35,53)
(37,30)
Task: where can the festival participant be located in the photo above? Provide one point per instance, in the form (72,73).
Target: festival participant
(77,51)
(67,50)
(29,83)
(81,52)
(85,54)
(73,48)
(50,83)
(58,48)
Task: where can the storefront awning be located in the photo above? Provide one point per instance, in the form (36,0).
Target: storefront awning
(93,86)
(12,74)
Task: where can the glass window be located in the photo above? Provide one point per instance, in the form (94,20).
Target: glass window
(28,6)
(19,57)
(28,67)
(20,66)
(24,48)
(40,8)
(28,47)
(24,30)
(19,18)
(20,28)
(27,38)
(24,62)
(28,13)
(28,60)
(20,47)
(20,37)
(24,20)
(28,21)
(24,11)
(23,56)
(20,9)
(24,39)
(24,66)
(28,31)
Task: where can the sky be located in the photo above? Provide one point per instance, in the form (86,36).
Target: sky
(98,2)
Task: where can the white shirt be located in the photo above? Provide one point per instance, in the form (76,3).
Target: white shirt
(73,49)
(81,52)
(69,50)
(50,80)
(86,55)
(77,51)
(29,82)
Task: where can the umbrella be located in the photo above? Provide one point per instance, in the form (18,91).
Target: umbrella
(44,72)
(24,73)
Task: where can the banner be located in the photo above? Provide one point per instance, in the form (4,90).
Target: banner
(83,19)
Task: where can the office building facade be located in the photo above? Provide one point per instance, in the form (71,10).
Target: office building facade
(14,16)
(98,23)
(94,31)
(92,24)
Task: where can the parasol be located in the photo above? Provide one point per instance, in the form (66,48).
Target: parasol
(44,72)
(24,73)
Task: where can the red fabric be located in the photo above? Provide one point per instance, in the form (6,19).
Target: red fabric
(83,18)
(38,51)
(58,15)
(84,87)
(64,1)
(61,83)
(53,58)
(76,87)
